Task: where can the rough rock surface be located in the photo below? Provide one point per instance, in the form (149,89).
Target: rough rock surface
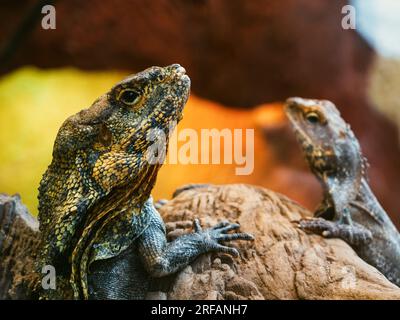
(18,244)
(283,262)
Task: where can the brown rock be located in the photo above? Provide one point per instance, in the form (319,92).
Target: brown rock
(240,53)
(18,245)
(283,262)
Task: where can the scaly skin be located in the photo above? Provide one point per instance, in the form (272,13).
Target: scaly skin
(334,156)
(99,228)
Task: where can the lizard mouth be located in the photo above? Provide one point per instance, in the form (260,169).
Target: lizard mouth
(181,89)
(179,70)
(179,73)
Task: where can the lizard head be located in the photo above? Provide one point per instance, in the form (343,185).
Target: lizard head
(109,140)
(104,147)
(328,143)
(119,120)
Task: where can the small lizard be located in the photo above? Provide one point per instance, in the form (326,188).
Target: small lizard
(350,208)
(99,227)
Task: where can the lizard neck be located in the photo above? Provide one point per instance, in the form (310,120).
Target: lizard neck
(124,204)
(370,202)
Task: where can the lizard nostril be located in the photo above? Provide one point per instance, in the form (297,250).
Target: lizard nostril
(178,69)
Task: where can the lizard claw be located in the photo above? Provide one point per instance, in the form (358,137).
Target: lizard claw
(354,234)
(224,249)
(219,233)
(197,226)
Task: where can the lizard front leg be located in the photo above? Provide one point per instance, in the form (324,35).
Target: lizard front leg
(162,258)
(345,229)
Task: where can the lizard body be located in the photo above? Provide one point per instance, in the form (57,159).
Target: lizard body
(350,208)
(98,224)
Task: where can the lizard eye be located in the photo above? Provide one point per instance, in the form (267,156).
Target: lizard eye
(312,117)
(129,96)
(161,77)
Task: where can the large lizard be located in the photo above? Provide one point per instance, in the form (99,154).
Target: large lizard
(99,227)
(350,209)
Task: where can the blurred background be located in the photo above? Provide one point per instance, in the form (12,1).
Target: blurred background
(244,58)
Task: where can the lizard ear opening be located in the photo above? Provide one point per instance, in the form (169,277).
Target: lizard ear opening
(105,135)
